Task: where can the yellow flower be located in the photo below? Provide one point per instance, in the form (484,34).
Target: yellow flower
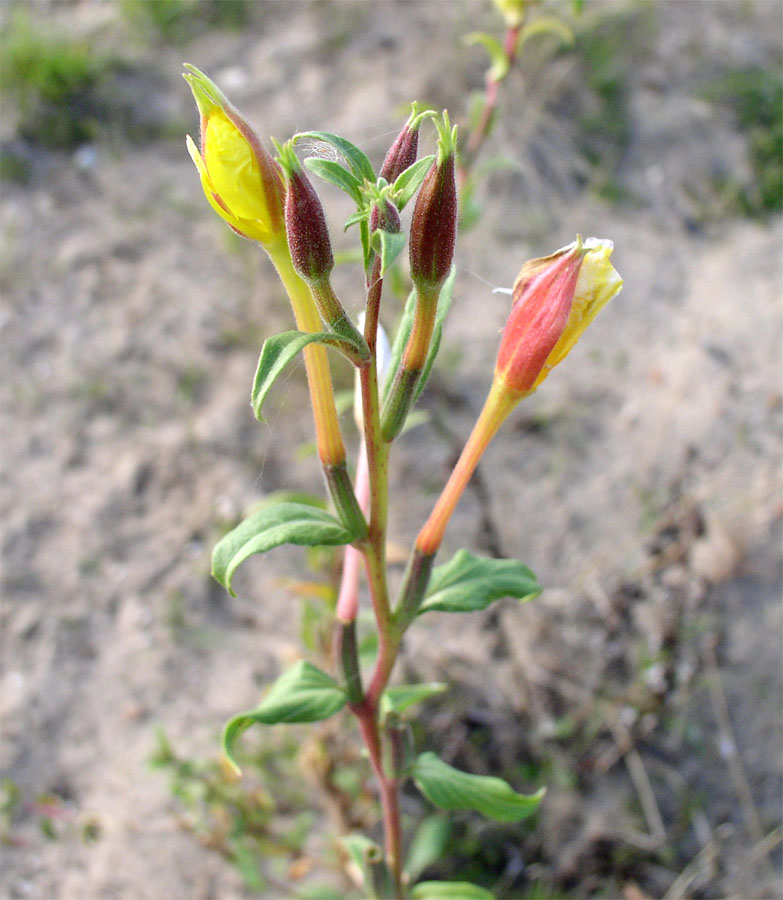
(240,179)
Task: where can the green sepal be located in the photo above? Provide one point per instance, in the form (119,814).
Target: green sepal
(467,583)
(389,244)
(444,305)
(449,788)
(336,174)
(398,698)
(408,182)
(283,523)
(277,352)
(302,694)
(357,160)
(450,890)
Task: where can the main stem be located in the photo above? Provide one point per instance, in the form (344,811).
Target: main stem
(375,561)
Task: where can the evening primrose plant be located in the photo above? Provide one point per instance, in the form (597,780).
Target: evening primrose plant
(272,201)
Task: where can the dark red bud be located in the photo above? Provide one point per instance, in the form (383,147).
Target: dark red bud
(434,226)
(308,234)
(384,215)
(401,155)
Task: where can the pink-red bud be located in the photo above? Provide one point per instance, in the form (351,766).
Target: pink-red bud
(434,226)
(308,234)
(384,215)
(402,153)
(555,299)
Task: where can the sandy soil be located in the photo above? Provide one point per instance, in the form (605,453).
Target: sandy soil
(642,483)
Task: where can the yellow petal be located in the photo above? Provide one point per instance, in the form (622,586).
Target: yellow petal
(233,168)
(249,228)
(598,282)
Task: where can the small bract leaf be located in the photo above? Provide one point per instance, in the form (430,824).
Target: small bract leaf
(302,694)
(356,158)
(391,245)
(450,890)
(334,173)
(449,788)
(545,25)
(467,583)
(497,54)
(400,340)
(398,698)
(283,523)
(276,353)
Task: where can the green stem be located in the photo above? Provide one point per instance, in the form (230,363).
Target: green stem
(374,551)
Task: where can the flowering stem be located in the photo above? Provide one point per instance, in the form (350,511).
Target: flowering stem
(374,551)
(481,130)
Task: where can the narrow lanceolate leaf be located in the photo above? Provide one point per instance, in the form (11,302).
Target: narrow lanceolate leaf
(276,353)
(449,788)
(429,844)
(283,523)
(334,173)
(444,305)
(409,181)
(467,583)
(302,694)
(357,160)
(398,698)
(450,890)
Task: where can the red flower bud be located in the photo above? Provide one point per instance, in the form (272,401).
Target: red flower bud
(384,215)
(555,299)
(308,234)
(434,223)
(402,153)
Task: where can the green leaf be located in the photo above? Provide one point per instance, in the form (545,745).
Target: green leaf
(444,305)
(497,54)
(356,158)
(545,25)
(302,694)
(449,788)
(391,245)
(467,583)
(361,215)
(276,353)
(450,890)
(284,523)
(358,846)
(398,698)
(409,181)
(429,844)
(334,173)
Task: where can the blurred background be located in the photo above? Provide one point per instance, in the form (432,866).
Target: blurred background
(641,483)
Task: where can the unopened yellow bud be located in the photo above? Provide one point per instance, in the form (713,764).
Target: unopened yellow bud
(240,179)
